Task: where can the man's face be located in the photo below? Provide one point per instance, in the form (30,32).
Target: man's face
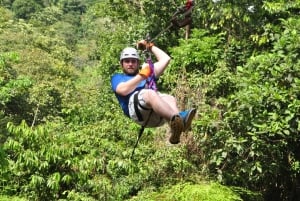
(130,66)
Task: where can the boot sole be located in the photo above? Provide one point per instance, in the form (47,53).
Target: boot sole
(176,125)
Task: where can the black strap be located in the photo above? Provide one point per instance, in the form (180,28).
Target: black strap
(137,141)
(140,118)
(140,134)
(136,108)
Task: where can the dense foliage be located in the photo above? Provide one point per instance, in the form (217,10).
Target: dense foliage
(64,137)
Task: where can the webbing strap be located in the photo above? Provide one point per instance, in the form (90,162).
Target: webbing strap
(151,81)
(140,134)
(136,108)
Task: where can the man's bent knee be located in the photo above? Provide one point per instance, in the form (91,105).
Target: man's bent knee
(149,95)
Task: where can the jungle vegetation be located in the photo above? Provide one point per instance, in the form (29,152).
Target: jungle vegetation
(63,135)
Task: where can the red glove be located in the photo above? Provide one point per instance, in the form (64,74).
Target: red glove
(145,71)
(143,44)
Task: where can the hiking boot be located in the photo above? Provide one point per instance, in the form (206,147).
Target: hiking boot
(187,116)
(176,125)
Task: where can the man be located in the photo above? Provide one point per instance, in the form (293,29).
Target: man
(148,107)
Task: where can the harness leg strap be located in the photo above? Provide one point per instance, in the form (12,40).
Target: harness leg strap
(136,108)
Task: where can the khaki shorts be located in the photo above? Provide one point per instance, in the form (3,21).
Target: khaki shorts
(145,116)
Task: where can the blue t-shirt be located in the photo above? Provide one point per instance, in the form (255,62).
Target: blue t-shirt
(123,100)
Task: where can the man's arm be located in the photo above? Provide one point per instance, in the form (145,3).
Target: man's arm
(163,60)
(125,88)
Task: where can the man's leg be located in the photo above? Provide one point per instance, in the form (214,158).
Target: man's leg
(166,106)
(170,100)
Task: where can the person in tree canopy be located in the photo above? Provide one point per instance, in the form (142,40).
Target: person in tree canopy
(145,106)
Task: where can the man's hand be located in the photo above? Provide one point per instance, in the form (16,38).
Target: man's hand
(143,44)
(145,71)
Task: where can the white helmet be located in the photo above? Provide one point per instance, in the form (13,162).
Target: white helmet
(129,52)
